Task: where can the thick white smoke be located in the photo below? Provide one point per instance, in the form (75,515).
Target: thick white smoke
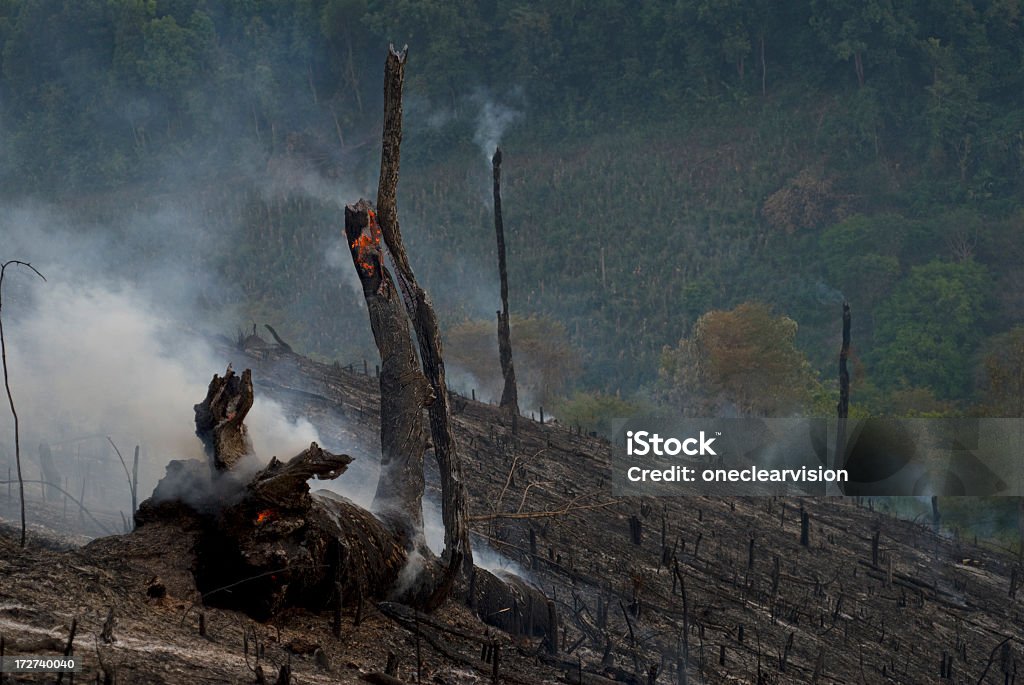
(110,349)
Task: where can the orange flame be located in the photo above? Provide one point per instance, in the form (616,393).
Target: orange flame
(264,516)
(369,239)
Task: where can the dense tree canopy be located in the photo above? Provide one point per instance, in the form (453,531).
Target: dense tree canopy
(115,84)
(1003,374)
(930,327)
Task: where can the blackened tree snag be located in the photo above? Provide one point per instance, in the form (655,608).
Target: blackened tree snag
(220,419)
(843,407)
(404,392)
(509,394)
(457,553)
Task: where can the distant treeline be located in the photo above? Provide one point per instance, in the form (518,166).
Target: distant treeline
(101,91)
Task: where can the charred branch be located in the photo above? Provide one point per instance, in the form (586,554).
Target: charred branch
(285,347)
(286,484)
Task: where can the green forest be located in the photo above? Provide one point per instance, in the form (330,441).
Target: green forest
(675,173)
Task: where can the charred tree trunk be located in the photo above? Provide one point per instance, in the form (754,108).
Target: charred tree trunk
(457,553)
(509,394)
(843,408)
(404,392)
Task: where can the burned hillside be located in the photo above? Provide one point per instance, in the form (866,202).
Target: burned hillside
(640,586)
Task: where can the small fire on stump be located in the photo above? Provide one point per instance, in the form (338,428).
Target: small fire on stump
(265,516)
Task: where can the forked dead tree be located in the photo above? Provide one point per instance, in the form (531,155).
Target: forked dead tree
(457,553)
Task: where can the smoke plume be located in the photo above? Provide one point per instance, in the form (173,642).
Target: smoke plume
(110,345)
(491,123)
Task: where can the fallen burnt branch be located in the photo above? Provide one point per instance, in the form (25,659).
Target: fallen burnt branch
(568,509)
(285,347)
(409,616)
(423,625)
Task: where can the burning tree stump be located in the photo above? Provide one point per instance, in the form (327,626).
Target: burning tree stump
(265,542)
(291,548)
(404,391)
